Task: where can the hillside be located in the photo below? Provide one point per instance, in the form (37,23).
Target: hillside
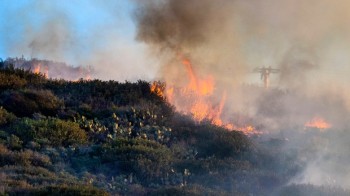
(93,137)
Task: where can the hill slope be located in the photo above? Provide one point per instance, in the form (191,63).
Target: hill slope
(105,137)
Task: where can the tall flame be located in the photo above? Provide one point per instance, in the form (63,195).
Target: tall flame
(39,68)
(199,86)
(157,88)
(197,93)
(169,93)
(36,68)
(196,98)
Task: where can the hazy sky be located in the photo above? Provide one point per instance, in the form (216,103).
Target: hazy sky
(102,33)
(79,32)
(85,16)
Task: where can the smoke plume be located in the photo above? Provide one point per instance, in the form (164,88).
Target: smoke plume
(306,40)
(195,29)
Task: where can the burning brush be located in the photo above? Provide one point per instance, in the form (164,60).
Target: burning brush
(196,99)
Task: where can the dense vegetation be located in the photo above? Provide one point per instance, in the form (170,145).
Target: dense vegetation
(97,137)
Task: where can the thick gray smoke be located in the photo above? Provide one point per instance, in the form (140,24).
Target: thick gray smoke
(229,38)
(307,40)
(194,29)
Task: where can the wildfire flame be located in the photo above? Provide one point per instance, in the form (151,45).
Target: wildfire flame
(196,99)
(36,69)
(319,123)
(58,70)
(39,68)
(157,88)
(198,92)
(249,130)
(199,86)
(169,93)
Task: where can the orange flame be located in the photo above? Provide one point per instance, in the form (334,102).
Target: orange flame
(200,110)
(157,88)
(170,94)
(196,99)
(36,69)
(201,87)
(319,123)
(249,130)
(197,92)
(216,115)
(39,68)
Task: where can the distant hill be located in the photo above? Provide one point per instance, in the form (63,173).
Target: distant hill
(50,69)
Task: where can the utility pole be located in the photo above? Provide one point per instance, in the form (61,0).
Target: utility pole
(265,74)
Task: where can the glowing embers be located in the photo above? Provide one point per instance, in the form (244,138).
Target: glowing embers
(319,123)
(248,130)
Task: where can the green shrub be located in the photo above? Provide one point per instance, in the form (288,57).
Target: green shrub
(27,102)
(149,161)
(14,142)
(6,117)
(210,140)
(11,81)
(55,131)
(25,158)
